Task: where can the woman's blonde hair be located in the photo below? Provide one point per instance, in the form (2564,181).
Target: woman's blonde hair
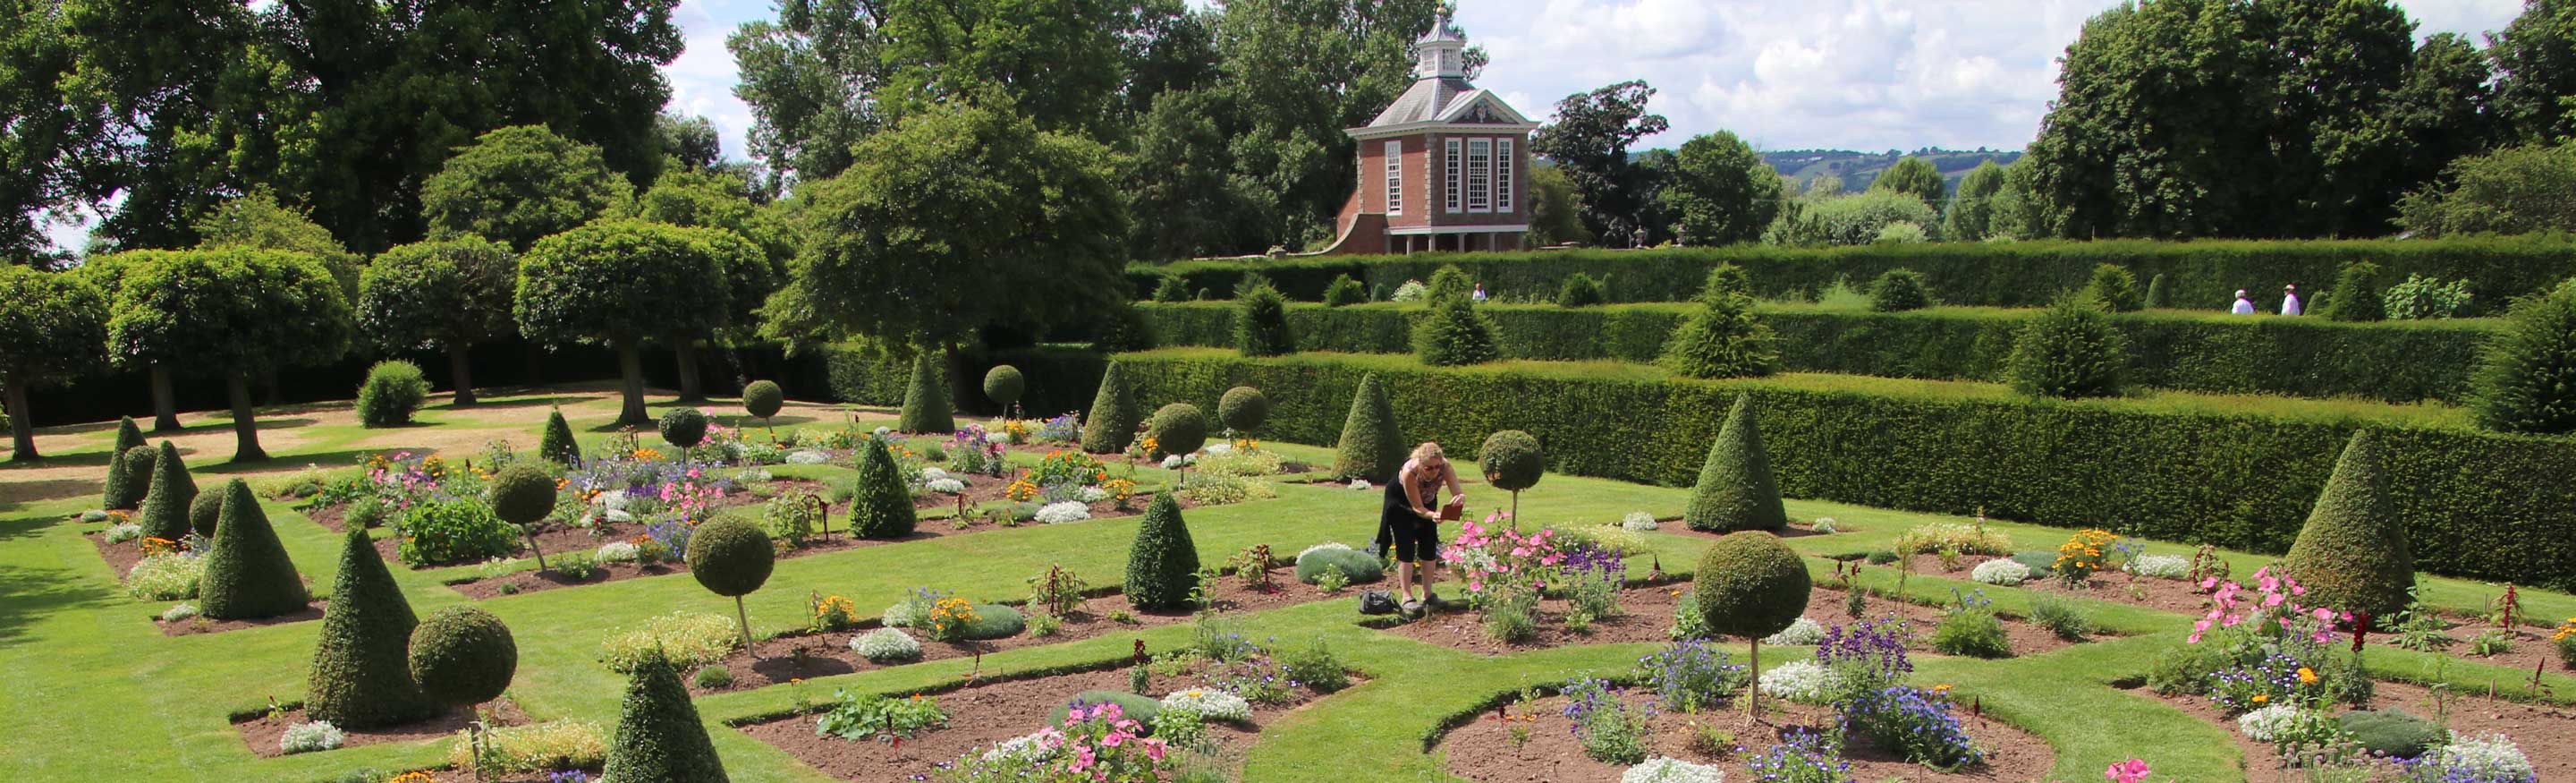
(1429,450)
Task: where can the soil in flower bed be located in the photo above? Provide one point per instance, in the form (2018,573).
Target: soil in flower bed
(261,732)
(1483,751)
(202,624)
(533,580)
(559,538)
(979,716)
(121,555)
(2546,733)
(777,660)
(1647,616)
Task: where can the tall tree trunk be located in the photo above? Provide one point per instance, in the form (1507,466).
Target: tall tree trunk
(687,351)
(630,363)
(22,425)
(957,394)
(165,403)
(460,373)
(245,424)
(276,391)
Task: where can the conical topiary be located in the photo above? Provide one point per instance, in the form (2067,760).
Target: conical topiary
(1163,564)
(2069,351)
(116,495)
(1898,290)
(1723,340)
(1750,585)
(2352,555)
(1261,323)
(2157,297)
(1111,423)
(1448,282)
(248,575)
(1371,447)
(1453,334)
(882,505)
(1580,290)
(361,676)
(558,446)
(659,738)
(1726,280)
(925,402)
(138,476)
(1344,292)
(2356,295)
(1735,489)
(2528,380)
(165,510)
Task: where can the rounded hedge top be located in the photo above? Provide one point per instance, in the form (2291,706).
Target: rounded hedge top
(1243,408)
(732,556)
(463,655)
(1179,428)
(762,398)
(1003,385)
(1751,585)
(521,494)
(684,427)
(1513,460)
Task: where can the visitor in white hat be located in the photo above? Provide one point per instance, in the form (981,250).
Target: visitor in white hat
(2290,299)
(2244,306)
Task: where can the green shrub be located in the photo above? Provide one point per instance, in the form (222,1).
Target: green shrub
(2356,295)
(1735,490)
(1899,290)
(1243,409)
(1316,666)
(463,655)
(558,445)
(1455,334)
(440,532)
(995,621)
(659,737)
(713,678)
(2060,616)
(2565,643)
(1345,291)
(2185,669)
(1972,633)
(684,427)
(925,401)
(2392,732)
(1725,280)
(1110,425)
(1178,428)
(124,489)
(763,398)
(1447,283)
(731,556)
(1261,323)
(1171,289)
(2528,379)
(165,508)
(1136,708)
(882,504)
(2157,297)
(521,494)
(208,509)
(1162,564)
(1580,290)
(1370,447)
(1513,460)
(1880,557)
(1723,340)
(138,468)
(2352,555)
(1003,385)
(2423,297)
(2114,288)
(248,575)
(393,391)
(1357,567)
(361,675)
(2069,352)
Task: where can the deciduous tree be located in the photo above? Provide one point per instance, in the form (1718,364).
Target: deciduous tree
(230,313)
(53,327)
(446,295)
(620,282)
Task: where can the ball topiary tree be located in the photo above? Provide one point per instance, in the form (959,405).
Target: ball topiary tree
(659,737)
(205,512)
(393,391)
(1243,410)
(1344,292)
(1371,448)
(1162,564)
(1261,323)
(731,557)
(1003,385)
(684,427)
(123,487)
(763,399)
(1111,423)
(232,313)
(882,506)
(2356,295)
(558,445)
(523,494)
(2527,381)
(1580,290)
(1735,489)
(1723,340)
(1899,290)
(1178,428)
(2352,554)
(1513,461)
(138,475)
(52,328)
(446,294)
(1750,585)
(2069,351)
(2158,297)
(925,402)
(463,656)
(361,675)
(165,510)
(1455,334)
(620,282)
(248,575)
(2115,288)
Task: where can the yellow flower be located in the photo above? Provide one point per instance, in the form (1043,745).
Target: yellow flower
(1194,694)
(2307,676)
(1943,688)
(2261,698)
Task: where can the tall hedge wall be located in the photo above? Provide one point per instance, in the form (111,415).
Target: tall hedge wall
(2479,505)
(2198,275)
(1060,378)
(2307,357)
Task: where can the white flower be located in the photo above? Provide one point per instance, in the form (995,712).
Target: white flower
(1302,553)
(1799,634)
(1210,704)
(933,474)
(1003,438)
(1030,749)
(1066,511)
(2483,757)
(886,644)
(1639,520)
(1666,769)
(2266,724)
(807,457)
(1172,462)
(1826,525)
(125,532)
(2160,566)
(881,432)
(1411,291)
(620,515)
(614,500)
(1803,682)
(944,486)
(309,737)
(178,612)
(2002,571)
(1093,494)
(616,552)
(1360,484)
(1218,448)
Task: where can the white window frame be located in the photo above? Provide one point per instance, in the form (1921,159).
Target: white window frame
(1480,175)
(1504,163)
(1450,161)
(1395,177)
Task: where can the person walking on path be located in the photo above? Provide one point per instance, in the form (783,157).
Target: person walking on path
(2244,306)
(1408,525)
(2290,299)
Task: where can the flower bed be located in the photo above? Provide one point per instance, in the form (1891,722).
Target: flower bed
(261,730)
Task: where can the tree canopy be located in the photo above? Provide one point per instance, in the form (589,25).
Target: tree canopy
(53,326)
(1589,141)
(1722,191)
(621,281)
(1916,177)
(518,184)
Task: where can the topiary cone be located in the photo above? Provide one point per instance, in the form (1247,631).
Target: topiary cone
(558,446)
(659,738)
(732,557)
(117,496)
(1162,564)
(2352,554)
(361,675)
(1371,447)
(248,575)
(882,506)
(925,403)
(1735,489)
(165,510)
(1750,585)
(1111,423)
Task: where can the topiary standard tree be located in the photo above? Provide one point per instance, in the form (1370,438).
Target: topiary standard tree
(925,402)
(446,295)
(1580,290)
(165,510)
(1371,448)
(361,675)
(121,491)
(620,282)
(232,313)
(750,276)
(1344,292)
(523,494)
(731,557)
(1261,323)
(882,506)
(1003,385)
(2069,351)
(138,474)
(1111,423)
(248,575)
(684,427)
(2115,288)
(463,656)
(1750,585)
(763,399)
(2157,297)
(1726,280)
(1735,489)
(52,327)
(1243,410)
(1162,564)
(659,738)
(1723,340)
(2352,554)
(1898,290)
(205,512)
(1179,428)
(558,445)
(2356,295)
(1513,461)
(2528,380)
(1455,334)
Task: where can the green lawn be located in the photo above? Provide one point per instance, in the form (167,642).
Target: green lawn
(95,692)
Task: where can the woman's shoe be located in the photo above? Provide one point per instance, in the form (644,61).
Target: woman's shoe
(1412,609)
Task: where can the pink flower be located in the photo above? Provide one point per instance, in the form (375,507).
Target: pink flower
(1475,586)
(1114,739)
(2324,615)
(1153,749)
(1083,758)
(2130,771)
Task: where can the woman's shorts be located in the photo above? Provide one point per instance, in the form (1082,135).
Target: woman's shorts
(1416,540)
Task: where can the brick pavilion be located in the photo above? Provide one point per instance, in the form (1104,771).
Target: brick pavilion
(1441,169)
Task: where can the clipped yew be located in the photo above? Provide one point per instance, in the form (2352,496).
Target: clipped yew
(1898,290)
(463,656)
(1454,334)
(1370,447)
(1736,490)
(2352,554)
(1111,423)
(882,506)
(1243,409)
(925,402)
(1723,340)
(123,489)
(204,512)
(659,738)
(165,509)
(1750,585)
(1261,323)
(2356,295)
(248,575)
(1178,428)
(1003,385)
(2115,288)
(1513,461)
(2069,351)
(763,399)
(361,675)
(1162,564)
(1580,290)
(522,495)
(1725,281)
(558,446)
(2158,297)
(731,557)
(683,427)
(138,476)
(2527,379)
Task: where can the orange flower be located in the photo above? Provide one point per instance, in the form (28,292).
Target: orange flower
(2261,698)
(2307,676)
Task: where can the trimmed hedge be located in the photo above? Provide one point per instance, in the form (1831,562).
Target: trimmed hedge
(2396,361)
(2199,275)
(1060,378)
(2230,472)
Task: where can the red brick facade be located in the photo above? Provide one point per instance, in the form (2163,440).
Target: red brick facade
(1462,165)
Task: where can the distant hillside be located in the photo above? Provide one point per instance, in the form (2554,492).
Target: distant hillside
(1858,169)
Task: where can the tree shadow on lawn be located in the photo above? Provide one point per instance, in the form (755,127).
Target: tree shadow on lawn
(295,461)
(490,404)
(27,594)
(20,493)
